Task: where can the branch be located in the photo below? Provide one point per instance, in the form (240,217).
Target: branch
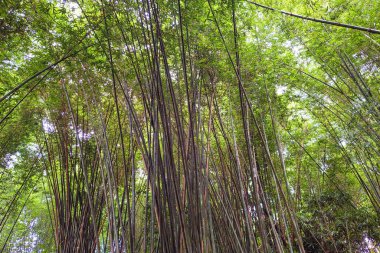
(360,28)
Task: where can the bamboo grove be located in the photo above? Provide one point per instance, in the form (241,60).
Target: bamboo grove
(189,126)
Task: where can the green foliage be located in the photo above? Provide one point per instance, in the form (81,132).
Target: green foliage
(170,152)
